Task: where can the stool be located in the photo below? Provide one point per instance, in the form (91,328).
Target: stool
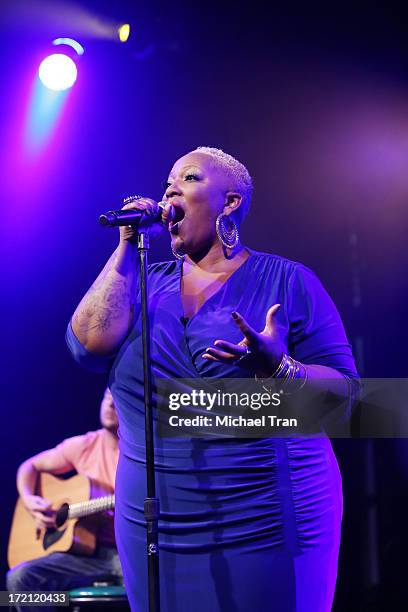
(103,597)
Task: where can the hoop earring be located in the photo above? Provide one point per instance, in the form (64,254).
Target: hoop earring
(176,255)
(227,231)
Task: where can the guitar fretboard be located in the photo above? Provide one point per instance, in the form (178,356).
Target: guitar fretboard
(92,506)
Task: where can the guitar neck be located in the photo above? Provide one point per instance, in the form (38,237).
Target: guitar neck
(92,506)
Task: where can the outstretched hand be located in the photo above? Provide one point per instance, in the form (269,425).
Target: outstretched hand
(257,352)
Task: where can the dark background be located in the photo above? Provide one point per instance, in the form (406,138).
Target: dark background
(313,99)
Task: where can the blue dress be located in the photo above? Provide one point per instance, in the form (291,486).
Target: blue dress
(245,524)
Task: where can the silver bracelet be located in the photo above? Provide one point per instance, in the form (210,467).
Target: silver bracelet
(287,370)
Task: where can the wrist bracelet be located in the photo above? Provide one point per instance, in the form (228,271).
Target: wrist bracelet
(287,370)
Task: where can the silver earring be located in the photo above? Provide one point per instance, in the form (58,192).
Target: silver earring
(176,255)
(227,231)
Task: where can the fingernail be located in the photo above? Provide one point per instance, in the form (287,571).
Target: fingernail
(234,315)
(217,342)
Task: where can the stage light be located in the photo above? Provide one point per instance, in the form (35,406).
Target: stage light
(124,32)
(58,72)
(70,42)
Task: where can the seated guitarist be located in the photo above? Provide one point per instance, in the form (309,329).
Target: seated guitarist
(94,455)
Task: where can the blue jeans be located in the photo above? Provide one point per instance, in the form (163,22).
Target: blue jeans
(62,572)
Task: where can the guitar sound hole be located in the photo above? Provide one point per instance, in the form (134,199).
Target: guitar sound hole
(61,515)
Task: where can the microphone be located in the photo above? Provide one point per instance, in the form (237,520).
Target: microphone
(117,218)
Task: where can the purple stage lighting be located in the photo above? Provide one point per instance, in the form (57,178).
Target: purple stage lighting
(58,72)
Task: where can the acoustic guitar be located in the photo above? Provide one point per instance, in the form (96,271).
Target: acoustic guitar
(76,527)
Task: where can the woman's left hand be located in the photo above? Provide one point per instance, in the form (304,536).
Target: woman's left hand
(258,352)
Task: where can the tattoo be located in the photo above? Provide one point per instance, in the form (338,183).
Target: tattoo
(110,300)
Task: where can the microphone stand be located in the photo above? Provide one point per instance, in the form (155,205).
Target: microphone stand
(151,502)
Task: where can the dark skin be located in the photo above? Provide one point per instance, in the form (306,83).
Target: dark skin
(265,346)
(203,191)
(199,190)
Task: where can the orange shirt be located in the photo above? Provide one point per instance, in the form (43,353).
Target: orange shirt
(94,455)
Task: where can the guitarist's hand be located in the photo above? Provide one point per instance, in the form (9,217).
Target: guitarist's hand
(40,510)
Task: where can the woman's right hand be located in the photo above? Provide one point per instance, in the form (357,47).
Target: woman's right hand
(41,511)
(129,234)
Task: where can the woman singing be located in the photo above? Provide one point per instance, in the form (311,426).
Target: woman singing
(244,524)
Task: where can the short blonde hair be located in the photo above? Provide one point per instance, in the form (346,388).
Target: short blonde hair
(238,173)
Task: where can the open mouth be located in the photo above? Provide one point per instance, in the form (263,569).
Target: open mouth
(177,220)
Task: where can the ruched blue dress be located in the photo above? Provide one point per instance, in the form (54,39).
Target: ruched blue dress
(245,525)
